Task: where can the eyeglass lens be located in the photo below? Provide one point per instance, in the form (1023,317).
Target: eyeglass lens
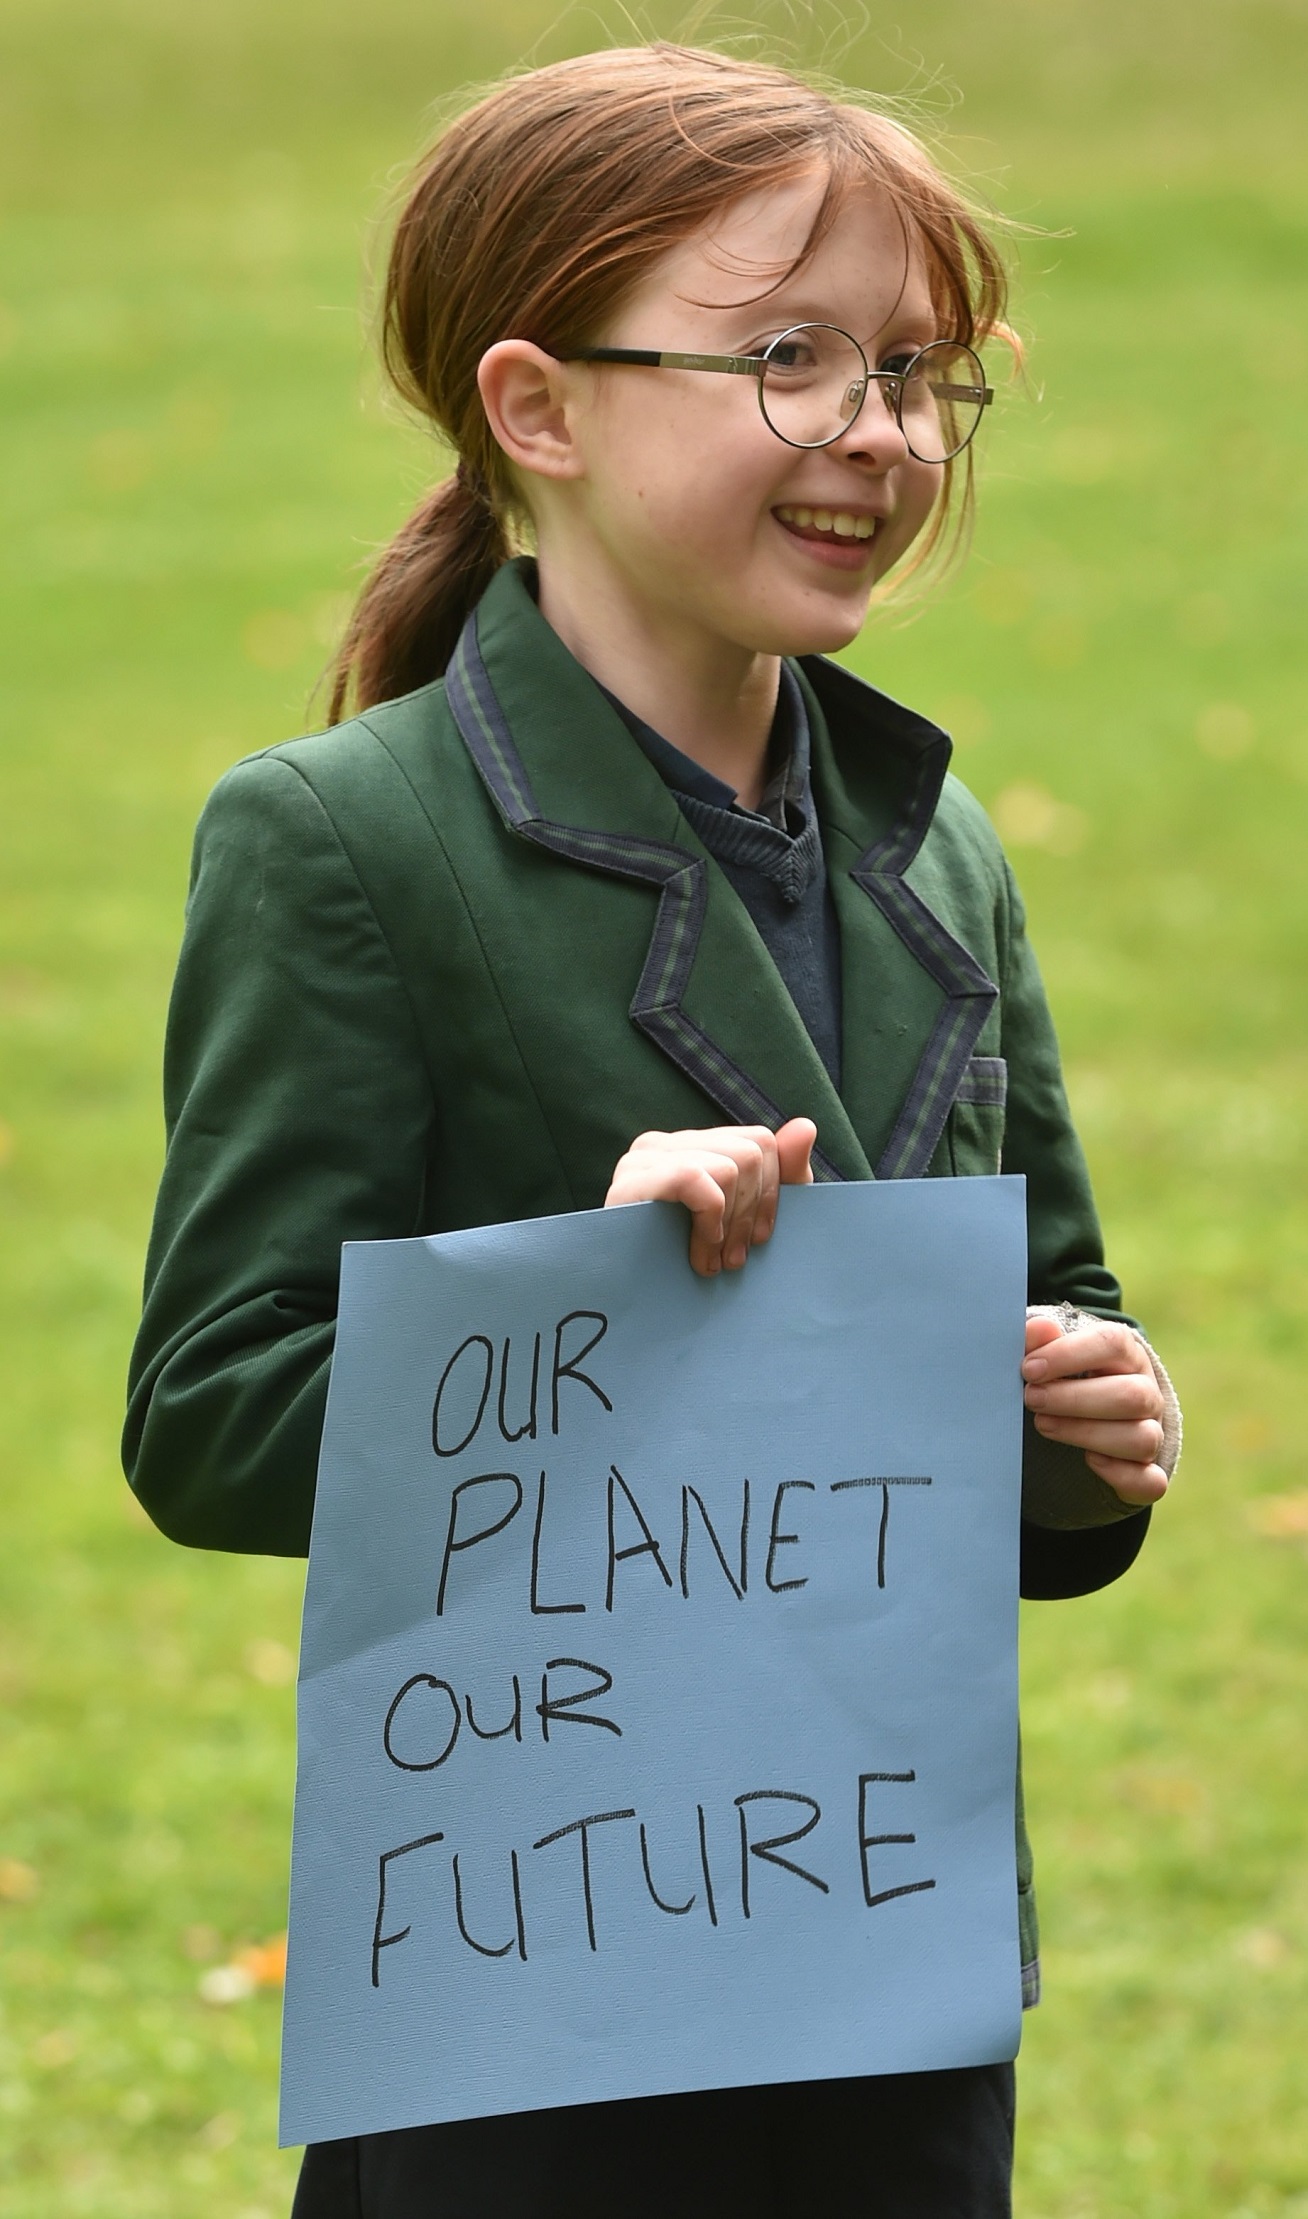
(816,379)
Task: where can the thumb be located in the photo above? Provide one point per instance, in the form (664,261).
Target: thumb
(794,1147)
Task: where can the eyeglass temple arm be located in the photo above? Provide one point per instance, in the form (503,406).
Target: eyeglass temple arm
(735,365)
(751,366)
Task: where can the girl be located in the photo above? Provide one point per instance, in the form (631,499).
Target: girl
(614,889)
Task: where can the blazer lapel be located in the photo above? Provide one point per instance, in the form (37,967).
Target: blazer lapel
(564,773)
(915,999)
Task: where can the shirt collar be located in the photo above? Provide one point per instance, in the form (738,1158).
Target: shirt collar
(787,797)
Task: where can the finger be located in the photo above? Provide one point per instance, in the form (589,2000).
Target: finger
(1040,1331)
(697,1140)
(1129,1395)
(749,1155)
(751,1208)
(786,1163)
(709,1228)
(1128,1444)
(765,1215)
(1097,1348)
(1137,1483)
(742,1159)
(795,1141)
(700,1183)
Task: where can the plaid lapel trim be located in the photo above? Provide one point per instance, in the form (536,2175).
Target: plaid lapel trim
(969,990)
(683,892)
(985,1080)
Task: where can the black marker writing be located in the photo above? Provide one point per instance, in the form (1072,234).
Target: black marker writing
(868,1841)
(572,1368)
(382,1941)
(841,1486)
(540,1609)
(582,1826)
(648,1547)
(456,1541)
(691,1495)
(520,1933)
(464,1390)
(425,1717)
(474,1340)
(563,1709)
(674,1910)
(528,1425)
(778,1540)
(767,1850)
(704,1867)
(497,1733)
(431,1727)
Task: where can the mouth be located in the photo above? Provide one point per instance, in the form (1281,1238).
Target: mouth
(841,532)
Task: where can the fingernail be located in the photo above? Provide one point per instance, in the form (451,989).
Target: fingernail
(1035,1367)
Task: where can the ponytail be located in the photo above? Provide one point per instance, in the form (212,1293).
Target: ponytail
(407,620)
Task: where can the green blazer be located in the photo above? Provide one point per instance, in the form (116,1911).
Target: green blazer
(443,962)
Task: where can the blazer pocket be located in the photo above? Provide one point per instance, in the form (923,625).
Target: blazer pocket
(976,1120)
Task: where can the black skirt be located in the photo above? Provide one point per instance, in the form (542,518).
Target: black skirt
(900,2146)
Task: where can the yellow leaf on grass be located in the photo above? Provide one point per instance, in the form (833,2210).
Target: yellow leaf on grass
(18,1882)
(1280,1517)
(265,1962)
(261,1965)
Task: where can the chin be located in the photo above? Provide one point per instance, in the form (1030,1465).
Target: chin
(822,631)
(773,623)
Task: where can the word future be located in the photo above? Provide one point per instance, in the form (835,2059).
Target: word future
(753,1815)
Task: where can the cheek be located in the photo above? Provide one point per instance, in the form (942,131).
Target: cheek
(924,493)
(920,489)
(696,476)
(924,486)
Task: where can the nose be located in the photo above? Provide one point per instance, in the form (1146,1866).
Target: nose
(872,436)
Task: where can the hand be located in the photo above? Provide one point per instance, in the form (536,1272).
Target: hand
(728,1177)
(1095,1389)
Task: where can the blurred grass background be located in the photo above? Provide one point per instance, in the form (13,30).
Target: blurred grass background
(196,460)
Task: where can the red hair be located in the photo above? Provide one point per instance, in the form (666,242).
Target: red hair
(535,213)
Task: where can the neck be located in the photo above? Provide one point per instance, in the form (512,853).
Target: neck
(712,699)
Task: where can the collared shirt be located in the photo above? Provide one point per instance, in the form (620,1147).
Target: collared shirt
(772,856)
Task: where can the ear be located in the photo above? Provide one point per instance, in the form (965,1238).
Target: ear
(529,402)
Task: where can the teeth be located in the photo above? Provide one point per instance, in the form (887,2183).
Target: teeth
(837,521)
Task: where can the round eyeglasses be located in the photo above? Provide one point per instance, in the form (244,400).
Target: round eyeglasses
(814,378)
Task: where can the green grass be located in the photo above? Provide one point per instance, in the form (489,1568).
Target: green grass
(195,461)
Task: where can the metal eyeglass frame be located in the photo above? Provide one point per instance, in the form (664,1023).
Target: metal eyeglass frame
(756,365)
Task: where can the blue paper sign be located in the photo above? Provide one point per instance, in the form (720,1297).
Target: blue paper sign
(658,1705)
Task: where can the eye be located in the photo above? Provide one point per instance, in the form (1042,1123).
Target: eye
(897,364)
(794,354)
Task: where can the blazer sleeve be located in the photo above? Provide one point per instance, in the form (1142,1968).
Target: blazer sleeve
(1077,1535)
(299,1115)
